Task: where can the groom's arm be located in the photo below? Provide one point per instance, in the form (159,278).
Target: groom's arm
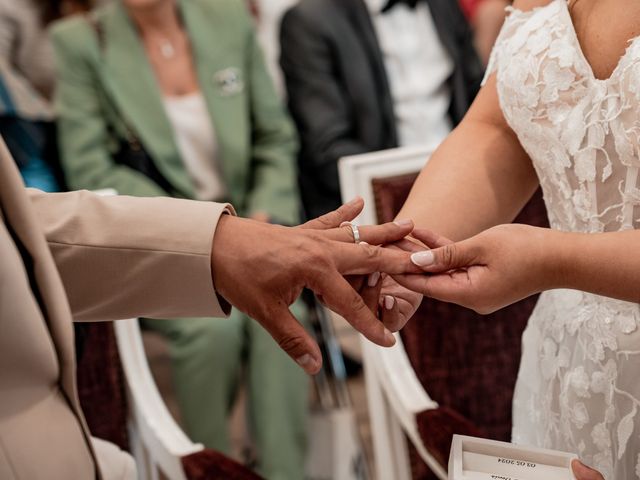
(123,257)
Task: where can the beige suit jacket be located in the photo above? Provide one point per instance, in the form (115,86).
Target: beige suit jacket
(83,258)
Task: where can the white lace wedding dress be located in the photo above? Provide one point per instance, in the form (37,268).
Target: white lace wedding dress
(578,389)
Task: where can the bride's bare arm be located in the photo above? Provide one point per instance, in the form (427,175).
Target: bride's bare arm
(479,177)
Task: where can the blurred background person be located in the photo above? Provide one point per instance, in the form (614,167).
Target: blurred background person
(486,17)
(26,85)
(268,15)
(367,75)
(166,97)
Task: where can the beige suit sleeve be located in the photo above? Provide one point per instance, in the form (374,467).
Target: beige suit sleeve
(124,257)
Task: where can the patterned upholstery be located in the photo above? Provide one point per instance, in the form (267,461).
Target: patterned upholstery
(467,362)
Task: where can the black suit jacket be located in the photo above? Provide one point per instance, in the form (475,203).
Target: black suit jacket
(338,90)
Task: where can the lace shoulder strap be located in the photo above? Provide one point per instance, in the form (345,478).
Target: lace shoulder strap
(516,26)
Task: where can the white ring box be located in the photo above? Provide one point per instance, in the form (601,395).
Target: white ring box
(480,459)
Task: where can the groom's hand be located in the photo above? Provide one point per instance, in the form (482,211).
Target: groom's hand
(261,269)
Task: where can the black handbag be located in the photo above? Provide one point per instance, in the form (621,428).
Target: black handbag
(132,154)
(130,151)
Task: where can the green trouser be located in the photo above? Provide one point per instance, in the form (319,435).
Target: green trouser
(210,357)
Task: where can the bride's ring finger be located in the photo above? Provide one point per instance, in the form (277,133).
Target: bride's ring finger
(390,313)
(370,291)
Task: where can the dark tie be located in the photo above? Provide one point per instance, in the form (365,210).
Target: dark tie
(392,3)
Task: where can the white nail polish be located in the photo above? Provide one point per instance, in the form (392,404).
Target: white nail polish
(374,278)
(389,337)
(305,360)
(403,222)
(389,302)
(423,259)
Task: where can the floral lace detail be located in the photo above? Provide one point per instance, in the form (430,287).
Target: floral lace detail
(578,387)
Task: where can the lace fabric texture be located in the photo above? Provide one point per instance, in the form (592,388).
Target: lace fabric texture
(578,388)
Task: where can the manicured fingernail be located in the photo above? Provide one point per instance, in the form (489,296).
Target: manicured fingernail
(305,360)
(374,278)
(389,337)
(423,259)
(403,222)
(354,200)
(389,301)
(309,364)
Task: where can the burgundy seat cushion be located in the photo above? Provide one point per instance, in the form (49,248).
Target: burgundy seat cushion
(211,465)
(437,427)
(467,362)
(101,383)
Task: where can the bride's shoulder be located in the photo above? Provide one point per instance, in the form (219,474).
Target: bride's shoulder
(527,5)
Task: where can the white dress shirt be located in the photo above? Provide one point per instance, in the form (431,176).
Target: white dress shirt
(268,30)
(196,140)
(418,67)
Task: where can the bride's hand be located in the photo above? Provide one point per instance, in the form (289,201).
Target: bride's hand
(582,472)
(398,304)
(496,268)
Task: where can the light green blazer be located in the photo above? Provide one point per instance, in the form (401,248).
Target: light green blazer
(102,83)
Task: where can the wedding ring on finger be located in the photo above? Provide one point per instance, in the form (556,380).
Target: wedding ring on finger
(354,229)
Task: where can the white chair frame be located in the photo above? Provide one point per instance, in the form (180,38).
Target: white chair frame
(394,393)
(157,442)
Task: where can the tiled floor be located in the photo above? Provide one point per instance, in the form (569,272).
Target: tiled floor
(160,363)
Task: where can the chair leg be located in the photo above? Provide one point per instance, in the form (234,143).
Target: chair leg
(402,463)
(155,471)
(391,459)
(140,454)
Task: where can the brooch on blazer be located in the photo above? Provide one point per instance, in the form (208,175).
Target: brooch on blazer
(229,81)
